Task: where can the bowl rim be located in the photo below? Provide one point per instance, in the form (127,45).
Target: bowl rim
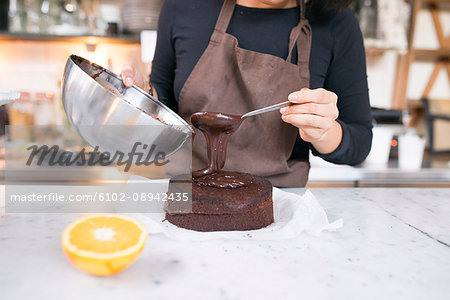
(72,59)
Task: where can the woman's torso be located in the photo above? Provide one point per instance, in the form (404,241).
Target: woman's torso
(190,23)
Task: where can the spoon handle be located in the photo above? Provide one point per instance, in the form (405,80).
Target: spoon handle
(266,109)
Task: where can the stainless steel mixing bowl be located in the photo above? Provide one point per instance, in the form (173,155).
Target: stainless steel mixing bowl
(107,114)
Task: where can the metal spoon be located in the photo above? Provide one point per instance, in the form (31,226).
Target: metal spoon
(266,109)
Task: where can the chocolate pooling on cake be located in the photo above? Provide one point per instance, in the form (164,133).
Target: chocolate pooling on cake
(221,200)
(217,128)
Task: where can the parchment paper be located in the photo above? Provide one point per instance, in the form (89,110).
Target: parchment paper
(293,215)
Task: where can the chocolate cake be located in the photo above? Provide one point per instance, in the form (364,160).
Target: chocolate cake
(221,200)
(219,209)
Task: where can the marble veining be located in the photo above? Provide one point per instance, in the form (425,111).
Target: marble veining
(394,245)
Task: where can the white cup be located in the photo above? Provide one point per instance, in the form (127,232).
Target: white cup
(381,147)
(410,151)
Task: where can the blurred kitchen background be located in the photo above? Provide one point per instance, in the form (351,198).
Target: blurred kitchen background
(408,58)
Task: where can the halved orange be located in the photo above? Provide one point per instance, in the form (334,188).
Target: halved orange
(103,244)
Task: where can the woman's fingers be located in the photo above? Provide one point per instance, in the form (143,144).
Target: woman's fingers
(311,127)
(317,96)
(324,110)
(308,120)
(313,112)
(128,75)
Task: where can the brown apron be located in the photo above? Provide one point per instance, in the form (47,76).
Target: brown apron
(232,80)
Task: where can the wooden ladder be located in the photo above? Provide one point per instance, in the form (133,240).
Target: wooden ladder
(440,57)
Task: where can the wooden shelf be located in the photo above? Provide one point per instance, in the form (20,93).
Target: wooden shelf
(122,39)
(435,1)
(431,55)
(439,57)
(377,51)
(413,104)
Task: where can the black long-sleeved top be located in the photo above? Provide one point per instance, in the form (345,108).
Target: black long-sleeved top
(337,60)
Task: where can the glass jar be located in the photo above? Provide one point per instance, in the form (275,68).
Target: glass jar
(20,112)
(368,18)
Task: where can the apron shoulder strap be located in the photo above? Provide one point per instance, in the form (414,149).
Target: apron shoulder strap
(295,32)
(304,50)
(223,21)
(300,34)
(302,9)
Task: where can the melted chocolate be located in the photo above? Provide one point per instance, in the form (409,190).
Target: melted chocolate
(222,179)
(217,128)
(96,74)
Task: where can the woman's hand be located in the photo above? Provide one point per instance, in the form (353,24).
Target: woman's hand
(314,112)
(130,75)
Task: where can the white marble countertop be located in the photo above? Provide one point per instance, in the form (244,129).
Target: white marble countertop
(395,244)
(388,176)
